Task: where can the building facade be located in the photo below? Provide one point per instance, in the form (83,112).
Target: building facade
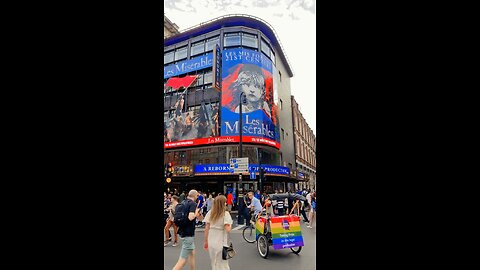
(305,149)
(209,70)
(169,28)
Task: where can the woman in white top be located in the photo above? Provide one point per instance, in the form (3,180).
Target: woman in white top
(219,224)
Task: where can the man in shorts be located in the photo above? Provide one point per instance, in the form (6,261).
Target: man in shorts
(187,233)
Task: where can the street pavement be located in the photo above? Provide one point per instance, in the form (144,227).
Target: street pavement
(247,256)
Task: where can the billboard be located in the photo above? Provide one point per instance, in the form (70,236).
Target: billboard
(249,72)
(235,71)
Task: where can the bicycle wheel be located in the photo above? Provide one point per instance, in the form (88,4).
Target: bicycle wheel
(296,250)
(262,246)
(249,234)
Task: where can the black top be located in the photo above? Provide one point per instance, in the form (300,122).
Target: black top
(189,229)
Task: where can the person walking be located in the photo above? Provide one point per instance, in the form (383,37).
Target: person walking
(229,201)
(219,224)
(209,202)
(313,203)
(181,197)
(187,231)
(171,213)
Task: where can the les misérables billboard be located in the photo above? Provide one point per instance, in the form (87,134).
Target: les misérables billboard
(249,72)
(244,71)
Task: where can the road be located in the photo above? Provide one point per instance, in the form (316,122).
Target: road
(247,254)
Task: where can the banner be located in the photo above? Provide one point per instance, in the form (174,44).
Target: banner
(220,140)
(187,66)
(249,72)
(286,231)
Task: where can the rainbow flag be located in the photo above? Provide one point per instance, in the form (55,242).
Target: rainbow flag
(286,232)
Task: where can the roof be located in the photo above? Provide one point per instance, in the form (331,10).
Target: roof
(229,21)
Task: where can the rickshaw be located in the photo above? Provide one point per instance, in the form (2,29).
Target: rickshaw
(280,232)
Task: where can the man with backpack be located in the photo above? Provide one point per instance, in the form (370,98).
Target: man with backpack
(185,215)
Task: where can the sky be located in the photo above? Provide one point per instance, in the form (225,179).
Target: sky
(292,20)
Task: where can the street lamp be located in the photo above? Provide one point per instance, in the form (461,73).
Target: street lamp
(240,189)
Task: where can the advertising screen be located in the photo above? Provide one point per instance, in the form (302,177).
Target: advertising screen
(241,71)
(248,72)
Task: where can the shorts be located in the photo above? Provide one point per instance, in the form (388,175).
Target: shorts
(188,245)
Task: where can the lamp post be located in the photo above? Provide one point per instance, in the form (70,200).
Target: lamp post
(241,204)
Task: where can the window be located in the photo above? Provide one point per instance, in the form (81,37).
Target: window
(197,48)
(265,48)
(249,40)
(199,80)
(272,56)
(210,44)
(231,39)
(208,78)
(181,53)
(168,57)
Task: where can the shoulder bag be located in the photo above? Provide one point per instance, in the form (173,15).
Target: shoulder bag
(228,252)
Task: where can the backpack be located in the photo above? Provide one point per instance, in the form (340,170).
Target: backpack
(180,218)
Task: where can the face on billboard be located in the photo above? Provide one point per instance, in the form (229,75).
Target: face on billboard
(248,72)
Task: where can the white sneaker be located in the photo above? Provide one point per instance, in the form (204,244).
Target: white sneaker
(309,227)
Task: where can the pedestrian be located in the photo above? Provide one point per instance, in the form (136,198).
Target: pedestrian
(171,213)
(219,224)
(181,197)
(201,202)
(187,231)
(209,203)
(258,195)
(302,211)
(229,201)
(311,213)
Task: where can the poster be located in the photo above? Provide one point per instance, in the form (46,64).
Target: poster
(286,232)
(249,72)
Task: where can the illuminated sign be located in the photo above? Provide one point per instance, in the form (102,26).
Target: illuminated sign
(225,168)
(186,66)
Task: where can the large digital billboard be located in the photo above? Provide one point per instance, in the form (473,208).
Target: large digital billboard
(242,70)
(248,72)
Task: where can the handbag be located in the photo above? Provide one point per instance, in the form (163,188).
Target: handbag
(228,252)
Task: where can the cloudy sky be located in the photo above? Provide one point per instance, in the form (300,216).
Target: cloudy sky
(294,22)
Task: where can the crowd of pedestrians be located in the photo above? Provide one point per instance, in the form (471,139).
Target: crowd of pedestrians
(184,212)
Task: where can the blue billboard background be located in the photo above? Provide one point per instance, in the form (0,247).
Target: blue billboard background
(250,72)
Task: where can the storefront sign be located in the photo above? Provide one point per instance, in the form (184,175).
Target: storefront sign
(225,168)
(186,66)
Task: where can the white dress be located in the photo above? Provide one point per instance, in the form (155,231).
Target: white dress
(217,239)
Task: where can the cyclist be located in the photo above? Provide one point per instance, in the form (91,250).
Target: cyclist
(254,206)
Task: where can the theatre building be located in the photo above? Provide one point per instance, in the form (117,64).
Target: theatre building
(208,70)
